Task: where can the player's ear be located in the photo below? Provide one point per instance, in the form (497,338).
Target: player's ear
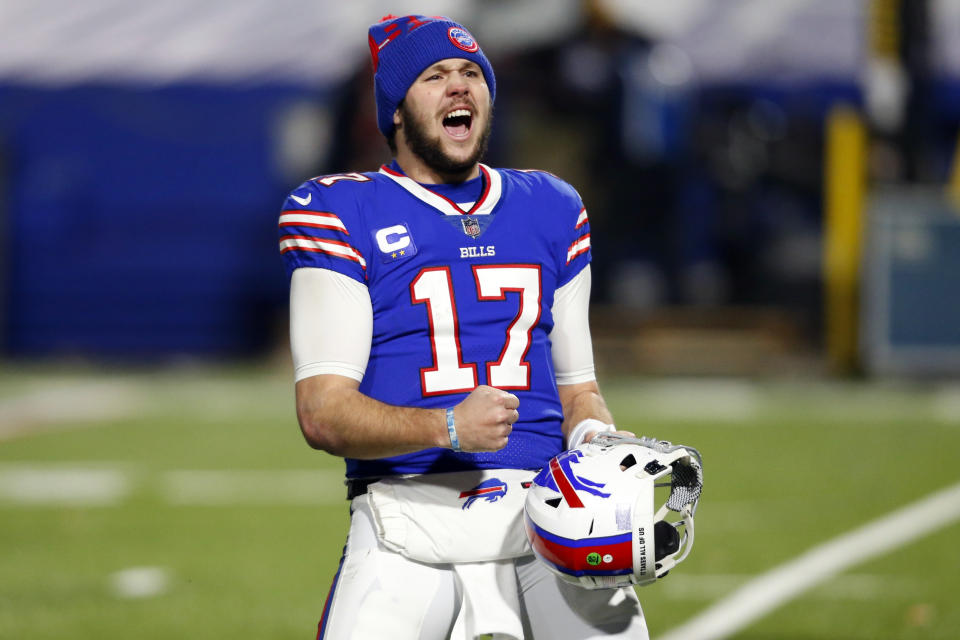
(397,121)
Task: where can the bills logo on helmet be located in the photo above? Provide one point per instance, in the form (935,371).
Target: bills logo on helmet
(490,490)
(462,39)
(560,477)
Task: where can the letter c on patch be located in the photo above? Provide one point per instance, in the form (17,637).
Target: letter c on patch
(393,238)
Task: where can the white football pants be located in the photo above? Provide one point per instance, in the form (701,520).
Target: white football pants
(381,595)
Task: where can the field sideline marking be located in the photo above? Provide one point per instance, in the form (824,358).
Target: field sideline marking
(788,581)
(104,484)
(94,485)
(222,487)
(708,587)
(65,404)
(140,582)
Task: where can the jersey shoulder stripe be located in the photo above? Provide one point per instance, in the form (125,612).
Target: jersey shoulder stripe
(321,225)
(580,245)
(582,218)
(313,219)
(318,245)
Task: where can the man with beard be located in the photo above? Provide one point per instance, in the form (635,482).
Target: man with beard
(441,347)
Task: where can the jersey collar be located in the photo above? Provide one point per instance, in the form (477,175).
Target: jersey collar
(492,189)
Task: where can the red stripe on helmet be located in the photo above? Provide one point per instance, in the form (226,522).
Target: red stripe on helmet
(572,558)
(566,489)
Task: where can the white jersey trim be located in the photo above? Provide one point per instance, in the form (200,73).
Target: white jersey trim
(319,245)
(315,219)
(582,219)
(488,200)
(580,245)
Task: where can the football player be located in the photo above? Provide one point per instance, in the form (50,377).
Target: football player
(439,331)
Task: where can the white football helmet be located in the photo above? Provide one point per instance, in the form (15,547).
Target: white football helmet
(591,514)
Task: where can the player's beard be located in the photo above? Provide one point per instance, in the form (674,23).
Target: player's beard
(430,150)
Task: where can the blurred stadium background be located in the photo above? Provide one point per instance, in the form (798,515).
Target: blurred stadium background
(773,188)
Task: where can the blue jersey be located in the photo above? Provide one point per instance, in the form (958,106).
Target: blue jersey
(461,297)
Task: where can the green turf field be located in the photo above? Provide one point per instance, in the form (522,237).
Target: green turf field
(185,504)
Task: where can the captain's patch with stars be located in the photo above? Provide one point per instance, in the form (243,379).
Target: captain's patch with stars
(394,242)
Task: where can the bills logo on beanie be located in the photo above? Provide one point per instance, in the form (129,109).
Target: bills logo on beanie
(401,48)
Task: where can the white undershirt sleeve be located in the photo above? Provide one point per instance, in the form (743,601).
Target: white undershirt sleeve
(572,345)
(331,324)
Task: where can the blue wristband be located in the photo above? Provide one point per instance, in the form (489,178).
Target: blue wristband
(452,430)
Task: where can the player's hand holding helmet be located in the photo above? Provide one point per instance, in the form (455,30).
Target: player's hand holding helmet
(591,514)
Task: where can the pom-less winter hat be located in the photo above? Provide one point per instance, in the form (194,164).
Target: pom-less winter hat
(401,48)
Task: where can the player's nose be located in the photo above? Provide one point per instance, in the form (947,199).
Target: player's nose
(457,85)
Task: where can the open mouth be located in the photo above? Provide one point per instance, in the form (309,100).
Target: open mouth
(457,123)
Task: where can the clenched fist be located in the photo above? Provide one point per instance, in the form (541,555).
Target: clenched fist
(485,419)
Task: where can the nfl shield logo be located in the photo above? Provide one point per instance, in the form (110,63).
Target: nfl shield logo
(471,227)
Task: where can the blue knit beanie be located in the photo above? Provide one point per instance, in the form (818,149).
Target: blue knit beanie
(401,48)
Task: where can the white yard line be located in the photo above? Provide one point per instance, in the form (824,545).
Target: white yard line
(103,484)
(62,404)
(946,405)
(253,487)
(55,485)
(140,582)
(717,400)
(733,402)
(788,581)
(707,587)
(33,404)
